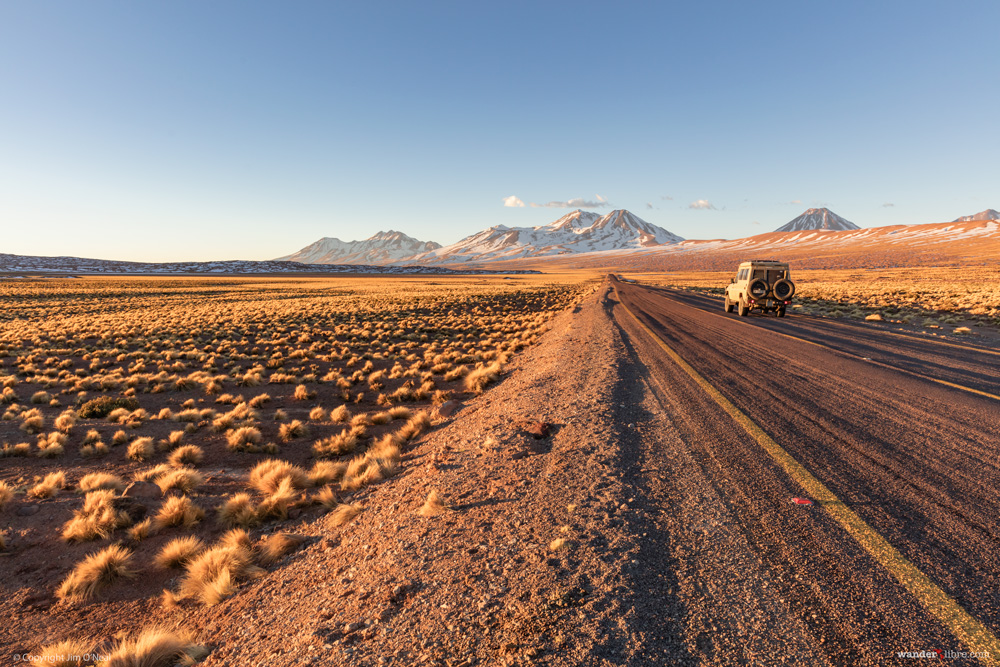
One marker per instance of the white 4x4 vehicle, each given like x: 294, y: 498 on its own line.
x: 760, y: 284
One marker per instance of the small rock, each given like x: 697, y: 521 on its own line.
x: 448, y: 408
x: 29, y: 510
x: 520, y: 454
x: 537, y: 429
x: 142, y: 490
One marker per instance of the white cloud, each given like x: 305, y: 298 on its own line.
x: 649, y: 204
x: 887, y: 205
x: 513, y: 201
x: 666, y: 198
x: 702, y: 204
x: 795, y: 201
x: 578, y: 202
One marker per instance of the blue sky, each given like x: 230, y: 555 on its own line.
x: 217, y: 130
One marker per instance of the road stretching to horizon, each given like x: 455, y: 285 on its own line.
x: 895, y: 439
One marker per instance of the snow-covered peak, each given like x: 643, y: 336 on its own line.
x: 382, y: 248
x: 576, y: 232
x: 817, y: 218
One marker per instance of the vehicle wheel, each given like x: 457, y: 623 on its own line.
x: 744, y: 308
x: 781, y: 312
x: 784, y: 289
x: 729, y: 305
x: 758, y: 288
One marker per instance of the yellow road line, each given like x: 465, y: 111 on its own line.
x: 967, y: 629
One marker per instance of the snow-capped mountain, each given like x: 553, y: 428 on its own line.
x: 817, y: 218
x: 383, y: 248
x: 576, y: 232
x: 988, y: 214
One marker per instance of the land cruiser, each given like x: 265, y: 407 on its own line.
x: 763, y: 284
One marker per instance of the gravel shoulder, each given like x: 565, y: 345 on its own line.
x: 486, y: 581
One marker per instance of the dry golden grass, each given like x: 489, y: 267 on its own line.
x: 173, y: 358
x: 97, y: 519
x: 155, y: 647
x: 141, y: 449
x: 344, y: 514
x: 211, y: 576
x: 6, y: 494
x: 67, y: 653
x: 186, y: 455
x: 178, y: 511
x: 178, y: 552
x: 268, y: 475
x: 50, y: 486
x: 184, y: 480
x: 433, y: 505
x: 238, y: 511
x: 101, y: 480
x: 274, y: 547
x: 95, y: 573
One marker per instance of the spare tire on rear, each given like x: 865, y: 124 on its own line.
x: 758, y: 288
x: 784, y: 289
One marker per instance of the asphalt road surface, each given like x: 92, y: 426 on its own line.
x: 868, y: 415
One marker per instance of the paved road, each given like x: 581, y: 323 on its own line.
x: 770, y: 582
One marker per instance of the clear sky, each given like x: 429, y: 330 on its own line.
x: 201, y: 130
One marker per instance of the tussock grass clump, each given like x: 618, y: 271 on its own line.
x: 141, y: 449
x: 327, y: 497
x: 178, y: 552
x: 238, y: 511
x: 433, y: 505
x: 95, y: 573
x: 6, y: 494
x: 41, y: 397
x: 317, y: 414
x: 186, y: 455
x: 97, y: 519
x: 141, y: 530
x: 156, y: 647
x: 344, y: 514
x: 52, y: 484
x: 274, y: 547
x: 184, y: 480
x: 340, y: 414
x: 67, y: 653
x: 325, y: 472
x: 65, y: 422
x: 267, y: 476
x: 101, y: 480
x: 477, y: 380
x: 51, y: 445
x: 303, y: 393
x: 119, y: 438
x: 276, y: 504
x: 211, y: 576
x: 344, y: 442
x: 293, y: 429
x: 172, y: 441
x: 178, y: 511
x: 243, y: 439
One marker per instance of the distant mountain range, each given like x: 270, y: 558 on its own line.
x: 988, y: 214
x: 621, y: 240
x: 18, y: 264
x: 817, y: 218
x: 579, y: 234
x: 383, y: 248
